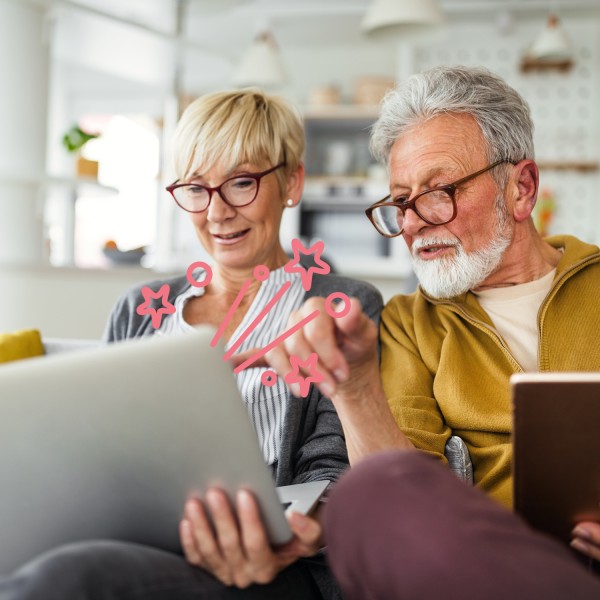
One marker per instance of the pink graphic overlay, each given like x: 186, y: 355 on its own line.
x: 189, y: 274
x: 230, y: 312
x: 294, y: 265
x: 294, y: 376
x: 276, y: 341
x: 145, y: 307
x: 331, y: 305
x: 261, y: 273
x: 263, y: 313
x: 268, y: 378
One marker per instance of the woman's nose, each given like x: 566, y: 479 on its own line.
x: 218, y: 210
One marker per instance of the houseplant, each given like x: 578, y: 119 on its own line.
x: 74, y: 140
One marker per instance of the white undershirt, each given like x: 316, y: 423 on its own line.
x: 514, y: 311
x: 266, y: 405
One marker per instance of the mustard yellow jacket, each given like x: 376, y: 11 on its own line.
x: 446, y: 369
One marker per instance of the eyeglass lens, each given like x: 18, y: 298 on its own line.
x: 237, y: 191
x: 434, y: 206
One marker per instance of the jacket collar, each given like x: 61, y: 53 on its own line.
x: 574, y: 253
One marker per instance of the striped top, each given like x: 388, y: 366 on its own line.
x: 266, y: 405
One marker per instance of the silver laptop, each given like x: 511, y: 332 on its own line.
x: 556, y: 459
x: 109, y: 442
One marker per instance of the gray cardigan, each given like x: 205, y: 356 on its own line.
x: 313, y: 445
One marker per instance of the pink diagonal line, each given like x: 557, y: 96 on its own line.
x: 284, y: 288
x: 277, y: 340
x: 230, y: 312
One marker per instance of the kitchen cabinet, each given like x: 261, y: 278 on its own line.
x: 342, y: 180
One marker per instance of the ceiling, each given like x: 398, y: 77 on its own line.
x: 225, y: 26
x: 127, y: 42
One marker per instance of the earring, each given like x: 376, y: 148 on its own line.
x: 289, y: 202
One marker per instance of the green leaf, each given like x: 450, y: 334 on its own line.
x: 75, y: 138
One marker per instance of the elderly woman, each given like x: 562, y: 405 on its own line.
x: 238, y: 161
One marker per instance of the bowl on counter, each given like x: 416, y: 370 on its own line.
x: 124, y: 257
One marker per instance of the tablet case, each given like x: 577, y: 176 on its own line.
x: 556, y: 458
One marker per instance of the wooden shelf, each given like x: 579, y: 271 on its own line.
x: 532, y: 64
x: 337, y: 180
x: 341, y: 111
x: 566, y: 165
x: 72, y: 183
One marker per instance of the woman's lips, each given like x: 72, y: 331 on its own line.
x: 230, y: 238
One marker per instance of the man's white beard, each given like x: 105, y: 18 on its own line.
x: 447, y: 277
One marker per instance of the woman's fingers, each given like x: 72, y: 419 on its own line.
x: 200, y: 544
x: 188, y: 543
x: 226, y: 530
x: 262, y: 562
x: 308, y: 532
x: 236, y: 549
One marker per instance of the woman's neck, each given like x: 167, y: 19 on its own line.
x: 229, y: 281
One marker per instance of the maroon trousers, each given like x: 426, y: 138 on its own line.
x: 401, y: 525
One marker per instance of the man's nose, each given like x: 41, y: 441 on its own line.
x: 412, y: 222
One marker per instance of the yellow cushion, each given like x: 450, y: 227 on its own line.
x: 20, y: 344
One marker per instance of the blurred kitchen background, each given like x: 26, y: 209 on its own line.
x: 84, y: 216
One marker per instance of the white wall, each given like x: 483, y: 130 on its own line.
x: 71, y: 302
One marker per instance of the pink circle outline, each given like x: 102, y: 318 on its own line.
x: 261, y: 272
x: 189, y: 274
x: 330, y: 307
x: 268, y: 378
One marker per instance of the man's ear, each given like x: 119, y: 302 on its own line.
x: 524, y: 182
x: 295, y: 186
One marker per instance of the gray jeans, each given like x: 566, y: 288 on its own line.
x: 106, y: 570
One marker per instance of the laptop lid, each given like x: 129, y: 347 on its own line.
x: 556, y: 458
x: 109, y: 443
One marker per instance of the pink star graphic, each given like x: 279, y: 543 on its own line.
x: 294, y: 265
x: 157, y: 313
x: 294, y: 375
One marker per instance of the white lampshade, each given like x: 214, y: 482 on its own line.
x: 392, y: 13
x: 552, y: 43
x: 261, y: 65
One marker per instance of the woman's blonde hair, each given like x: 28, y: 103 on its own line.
x: 236, y: 127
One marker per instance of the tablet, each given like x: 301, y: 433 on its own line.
x: 556, y: 458
x: 109, y: 442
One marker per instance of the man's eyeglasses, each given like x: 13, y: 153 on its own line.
x: 237, y: 191
x: 436, y: 206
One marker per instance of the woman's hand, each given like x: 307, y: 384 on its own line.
x: 586, y: 539
x: 236, y: 550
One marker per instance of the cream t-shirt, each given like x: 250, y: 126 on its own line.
x: 513, y: 311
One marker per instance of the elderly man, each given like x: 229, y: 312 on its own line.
x: 494, y: 299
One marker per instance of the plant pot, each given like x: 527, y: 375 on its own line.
x: 86, y: 168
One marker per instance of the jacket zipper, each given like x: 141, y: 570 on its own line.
x: 572, y: 270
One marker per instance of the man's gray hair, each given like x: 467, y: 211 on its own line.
x: 500, y: 111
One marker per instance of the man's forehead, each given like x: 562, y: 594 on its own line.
x: 444, y: 143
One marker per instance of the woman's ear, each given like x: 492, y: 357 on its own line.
x: 295, y: 187
x: 524, y: 184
